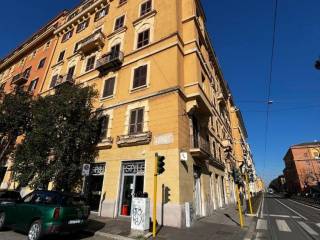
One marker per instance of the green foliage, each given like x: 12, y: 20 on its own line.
x: 15, y: 118
x: 62, y: 136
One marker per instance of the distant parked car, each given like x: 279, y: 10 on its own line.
x: 42, y: 213
x: 270, y: 190
x: 9, y: 196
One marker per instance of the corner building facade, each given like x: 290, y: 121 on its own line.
x: 161, y: 91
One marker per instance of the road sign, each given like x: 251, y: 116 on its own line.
x: 85, y: 170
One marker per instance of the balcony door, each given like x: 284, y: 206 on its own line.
x: 195, y: 132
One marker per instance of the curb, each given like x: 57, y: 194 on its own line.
x: 108, y: 235
x: 251, y: 230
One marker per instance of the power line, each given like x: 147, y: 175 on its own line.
x: 269, y: 82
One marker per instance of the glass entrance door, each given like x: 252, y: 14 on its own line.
x: 95, y: 186
x: 132, y: 185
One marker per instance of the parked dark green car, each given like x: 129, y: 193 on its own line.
x: 45, y: 212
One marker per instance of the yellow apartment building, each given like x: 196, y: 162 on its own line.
x: 161, y: 90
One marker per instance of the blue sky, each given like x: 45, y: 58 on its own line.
x: 242, y: 34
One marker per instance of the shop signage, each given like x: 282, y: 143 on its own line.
x: 97, y: 169
x: 133, y: 168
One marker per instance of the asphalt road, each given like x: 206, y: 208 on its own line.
x: 282, y: 219
x: 10, y: 235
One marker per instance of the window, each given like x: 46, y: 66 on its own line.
x: 27, y: 72
x: 61, y: 56
x: 83, y: 25
x: 145, y: 7
x: 140, y: 76
x: 136, y: 121
x: 54, y: 81
x: 101, y: 13
x: 103, y: 127
x: 115, y: 51
x: 122, y: 2
x: 48, y: 44
x: 33, y: 85
x: 33, y: 54
x: 76, y: 47
x: 90, y: 63
x: 41, y: 63
x: 71, y: 73
x: 28, y: 198
x: 119, y: 23
x: 108, y: 87
x: 2, y: 86
x: 143, y: 38
x: 67, y: 36
x: 72, y: 15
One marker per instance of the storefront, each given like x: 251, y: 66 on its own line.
x: 95, y: 182
x: 132, y: 184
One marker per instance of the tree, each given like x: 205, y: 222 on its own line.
x: 15, y: 115
x: 62, y: 137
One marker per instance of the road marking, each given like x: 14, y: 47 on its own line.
x: 283, y: 226
x: 261, y: 224
x: 262, y: 206
x: 308, y: 229
x: 282, y: 216
x: 306, y: 205
x: 291, y: 209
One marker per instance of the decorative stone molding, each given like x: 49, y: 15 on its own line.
x: 133, y: 140
x: 106, y: 143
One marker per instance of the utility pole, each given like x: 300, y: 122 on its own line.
x: 239, y: 206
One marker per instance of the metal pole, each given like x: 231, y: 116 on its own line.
x: 155, y: 184
x: 248, y: 192
x: 239, y: 207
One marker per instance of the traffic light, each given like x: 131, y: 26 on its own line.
x: 161, y: 164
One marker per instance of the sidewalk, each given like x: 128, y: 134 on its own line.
x: 222, y: 225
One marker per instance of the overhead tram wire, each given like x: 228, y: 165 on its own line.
x: 269, y: 83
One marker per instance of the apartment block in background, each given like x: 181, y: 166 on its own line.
x: 26, y: 67
x: 302, y: 166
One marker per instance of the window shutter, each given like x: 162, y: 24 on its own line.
x: 54, y: 81
x: 140, y: 120
x: 108, y: 87
x: 140, y: 76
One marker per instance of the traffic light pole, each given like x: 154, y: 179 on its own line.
x: 239, y: 206
x: 248, y: 192
x: 155, y: 186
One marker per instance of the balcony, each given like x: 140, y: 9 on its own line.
x: 134, y: 139
x: 92, y: 42
x: 200, y: 147
x: 66, y: 79
x: 20, y: 79
x: 110, y: 61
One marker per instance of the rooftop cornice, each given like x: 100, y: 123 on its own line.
x: 80, y: 14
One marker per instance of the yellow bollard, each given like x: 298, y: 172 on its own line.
x: 248, y: 192
x: 239, y: 207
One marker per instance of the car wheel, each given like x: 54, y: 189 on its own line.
x: 35, y: 230
x: 2, y: 220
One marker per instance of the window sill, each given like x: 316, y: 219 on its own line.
x: 58, y: 63
x: 134, y: 90
x: 105, y: 143
x: 121, y: 4
x: 106, y: 98
x: 134, y: 139
x: 118, y: 31
x: 147, y: 15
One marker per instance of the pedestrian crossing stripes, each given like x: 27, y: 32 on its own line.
x: 283, y: 226
x: 308, y: 229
